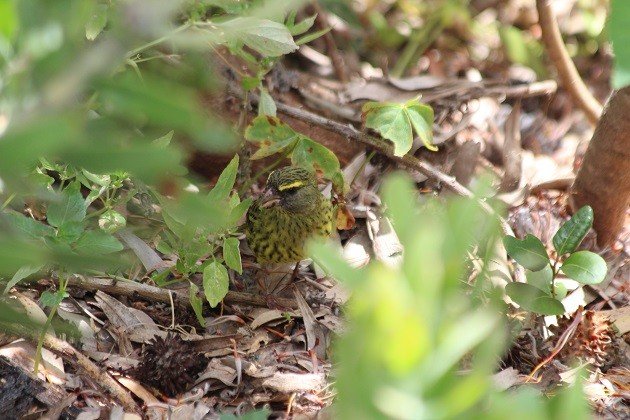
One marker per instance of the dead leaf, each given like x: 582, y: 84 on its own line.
x: 137, y: 325
x: 310, y: 323
x: 295, y: 382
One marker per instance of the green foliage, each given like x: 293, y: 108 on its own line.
x: 571, y: 233
x: 399, y: 122
x: 273, y: 136
x: 215, y: 282
x: 402, y: 351
x: 530, y: 252
x: 540, y: 294
x: 620, y: 37
x: 412, y: 326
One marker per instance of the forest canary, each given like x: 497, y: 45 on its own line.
x: 289, y: 212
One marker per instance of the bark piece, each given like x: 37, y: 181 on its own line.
x: 603, y: 181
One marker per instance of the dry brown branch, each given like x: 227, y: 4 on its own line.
x: 331, y: 47
x: 568, y: 74
x: 132, y: 288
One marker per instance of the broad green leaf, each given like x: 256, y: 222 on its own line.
x: 232, y: 254
x: 8, y: 18
x: 32, y: 228
x: 97, y: 21
x: 111, y: 221
x: 312, y: 155
x: 52, y: 300
x: 271, y: 134
x: 398, y: 122
x: 618, y: 19
x: 21, y: 274
x: 165, y: 140
x: 15, y: 253
x: 585, y: 267
x: 239, y: 211
x: 572, y: 232
x: 70, y: 208
x: 533, y: 299
x: 541, y: 278
x: 266, y: 105
x: 97, y: 242
x: 196, y: 303
x: 221, y: 190
x: 70, y: 231
x: 269, y: 38
x: 216, y: 282
x: 530, y: 252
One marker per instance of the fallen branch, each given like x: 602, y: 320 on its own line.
x: 131, y: 288
x: 568, y: 74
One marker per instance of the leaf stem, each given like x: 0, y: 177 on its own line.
x: 158, y: 41
x: 63, y: 282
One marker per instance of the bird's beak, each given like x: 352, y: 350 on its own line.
x: 269, y: 198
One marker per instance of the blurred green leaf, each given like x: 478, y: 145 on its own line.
x: 8, y: 19
x: 266, y: 105
x: 97, y: 242
x: 585, y: 267
x: 571, y: 233
x: 398, y: 122
x: 541, y: 278
x: 97, y: 21
x: 196, y: 303
x: 533, y: 299
x: 305, y: 39
x: 618, y: 19
x: 269, y: 38
x: 232, y: 254
x: 216, y: 282
x: 111, y: 221
x: 51, y: 300
x: 32, y: 228
x: 70, y: 208
x: 21, y: 274
x: 70, y: 231
x: 221, y: 190
x: 529, y: 252
x: 303, y: 26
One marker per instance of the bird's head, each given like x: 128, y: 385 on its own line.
x: 294, y: 189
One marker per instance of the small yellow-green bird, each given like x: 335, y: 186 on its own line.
x: 289, y: 212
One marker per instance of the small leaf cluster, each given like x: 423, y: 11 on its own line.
x: 398, y: 122
x: 200, y: 226
x: 541, y: 294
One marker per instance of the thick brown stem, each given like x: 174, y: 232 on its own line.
x: 603, y: 181
x: 568, y: 74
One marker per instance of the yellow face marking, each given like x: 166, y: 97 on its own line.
x: 291, y: 185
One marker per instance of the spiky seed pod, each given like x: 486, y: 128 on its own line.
x: 592, y: 341
x: 169, y: 364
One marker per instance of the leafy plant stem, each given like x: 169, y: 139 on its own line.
x: 158, y: 41
x: 418, y: 42
x: 554, y: 273
x: 63, y: 282
x: 7, y: 201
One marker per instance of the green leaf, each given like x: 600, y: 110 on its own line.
x: 266, y: 105
x: 312, y: 36
x: 272, y: 136
x: 97, y: 242
x: 571, y: 233
x: 111, y: 221
x: 165, y: 140
x: 398, y: 122
x: 71, y: 207
x: 303, y: 26
x: 541, y: 278
x: 70, y: 231
x: 196, y: 303
x: 618, y: 19
x: 21, y: 274
x: 585, y: 267
x: 225, y: 183
x: 8, y: 19
x: 269, y: 38
x: 52, y: 300
x: 530, y: 252
x: 216, y: 282
x: 97, y: 21
x: 533, y: 299
x: 312, y: 155
x: 27, y: 226
x: 232, y: 254
x: 239, y: 211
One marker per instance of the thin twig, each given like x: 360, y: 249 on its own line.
x: 331, y: 47
x: 559, y: 56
